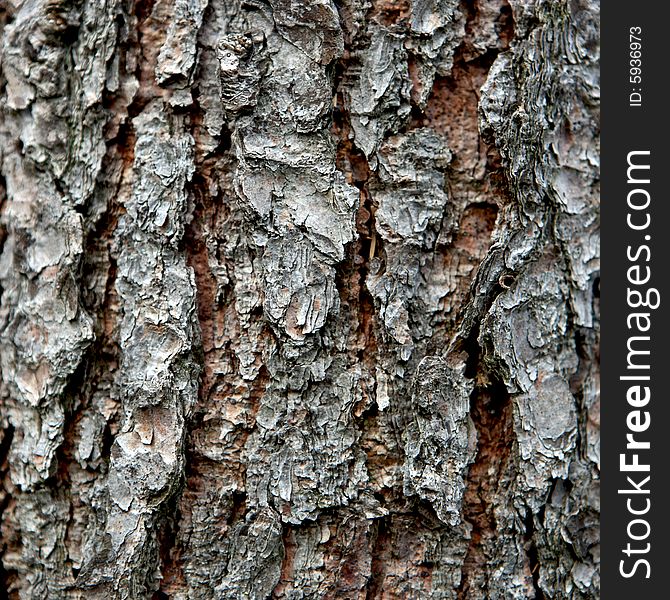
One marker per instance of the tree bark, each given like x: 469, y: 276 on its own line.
x: 299, y: 299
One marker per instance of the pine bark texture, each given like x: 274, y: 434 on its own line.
x: 299, y: 299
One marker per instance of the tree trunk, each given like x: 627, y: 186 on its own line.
x: 299, y: 299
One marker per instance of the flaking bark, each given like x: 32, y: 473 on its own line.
x: 299, y: 299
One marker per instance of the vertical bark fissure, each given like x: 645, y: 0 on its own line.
x: 490, y: 403
x: 533, y: 558
x: 365, y: 254
x: 7, y: 431
x: 491, y: 412
x: 379, y: 553
x: 7, y: 576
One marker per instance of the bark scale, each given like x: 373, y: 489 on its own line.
x: 299, y: 299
